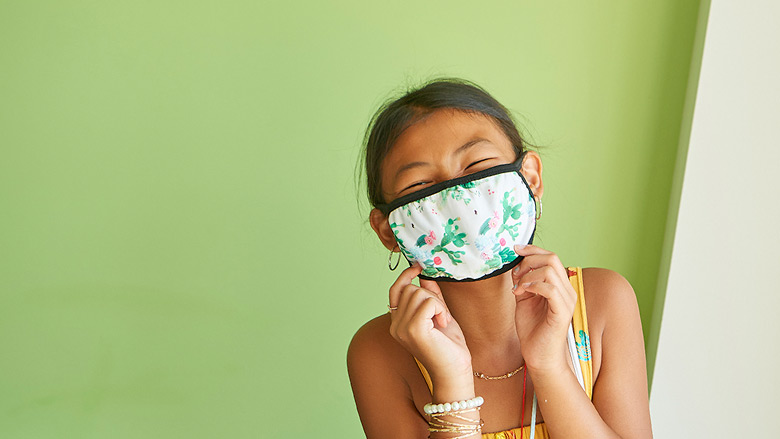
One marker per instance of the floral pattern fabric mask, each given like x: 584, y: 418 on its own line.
x: 465, y: 229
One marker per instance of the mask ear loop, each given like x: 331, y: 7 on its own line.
x: 390, y: 259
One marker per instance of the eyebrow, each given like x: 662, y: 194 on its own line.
x: 460, y: 150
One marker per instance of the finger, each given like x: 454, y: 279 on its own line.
x: 404, y: 279
x: 529, y: 249
x: 400, y: 315
x: 555, y: 300
x: 433, y: 287
x: 522, y: 294
x: 413, y: 297
x: 546, y: 257
x: 529, y: 264
x: 534, y: 261
x: 407, y: 295
x: 551, y: 276
x: 422, y: 319
x: 518, y: 272
x: 545, y: 273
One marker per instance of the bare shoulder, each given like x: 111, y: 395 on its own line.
x: 372, y: 343
x: 611, y: 305
x: 608, y: 296
x: 605, y: 285
x: 375, y: 359
x: 606, y: 292
x: 380, y: 371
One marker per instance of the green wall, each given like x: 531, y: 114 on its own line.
x: 181, y: 249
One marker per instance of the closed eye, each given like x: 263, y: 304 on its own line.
x: 479, y: 161
x: 413, y: 185
x: 420, y: 183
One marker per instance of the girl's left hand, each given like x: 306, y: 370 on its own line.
x: 544, y: 309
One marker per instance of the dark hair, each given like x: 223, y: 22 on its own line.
x: 395, y: 116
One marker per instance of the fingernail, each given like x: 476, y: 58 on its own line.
x: 514, y: 288
x: 516, y: 270
x: 525, y: 285
x: 519, y: 247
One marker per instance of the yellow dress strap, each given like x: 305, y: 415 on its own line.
x: 580, y: 326
x: 425, y: 375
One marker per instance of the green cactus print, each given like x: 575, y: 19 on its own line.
x: 500, y: 257
x: 458, y: 193
x: 408, y: 210
x: 493, y: 251
x: 451, y: 235
x: 429, y: 259
x: 511, y: 210
x: 435, y: 271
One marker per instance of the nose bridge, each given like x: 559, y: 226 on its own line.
x: 448, y: 168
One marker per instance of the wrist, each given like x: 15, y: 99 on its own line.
x: 453, y: 386
x: 550, y: 371
x: 550, y: 365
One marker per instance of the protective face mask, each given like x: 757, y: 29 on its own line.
x: 465, y: 229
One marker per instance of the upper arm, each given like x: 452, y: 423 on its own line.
x: 620, y: 390
x: 383, y: 398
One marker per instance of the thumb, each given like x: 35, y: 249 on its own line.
x: 516, y: 275
x: 432, y: 286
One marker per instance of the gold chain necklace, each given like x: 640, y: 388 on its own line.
x: 499, y: 377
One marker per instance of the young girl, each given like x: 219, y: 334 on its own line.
x: 500, y: 339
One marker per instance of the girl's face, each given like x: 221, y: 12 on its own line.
x: 447, y: 144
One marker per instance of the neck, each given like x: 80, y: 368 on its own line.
x: 485, y: 312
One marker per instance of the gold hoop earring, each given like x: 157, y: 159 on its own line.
x: 540, y: 209
x: 390, y: 259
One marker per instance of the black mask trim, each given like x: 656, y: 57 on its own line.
x: 386, y: 208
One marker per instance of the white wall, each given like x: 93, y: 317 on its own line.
x: 717, y: 371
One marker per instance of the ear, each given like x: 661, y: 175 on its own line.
x: 532, y: 171
x: 381, y: 226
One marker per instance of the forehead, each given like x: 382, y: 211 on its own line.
x: 443, y: 131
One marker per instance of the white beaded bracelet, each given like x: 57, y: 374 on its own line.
x: 432, y: 408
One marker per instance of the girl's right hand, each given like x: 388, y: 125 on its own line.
x: 423, y: 325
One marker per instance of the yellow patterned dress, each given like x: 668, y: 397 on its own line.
x: 580, y: 325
